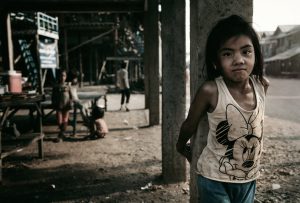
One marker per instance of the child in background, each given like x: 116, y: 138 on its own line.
x: 123, y: 84
x: 62, y: 103
x: 99, y: 127
x: 233, y: 98
x: 83, y: 106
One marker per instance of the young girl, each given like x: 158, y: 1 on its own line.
x: 233, y: 98
x: 62, y: 103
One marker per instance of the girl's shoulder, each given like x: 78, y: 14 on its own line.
x: 67, y: 86
x: 264, y: 82
x: 209, y: 87
x: 207, y: 95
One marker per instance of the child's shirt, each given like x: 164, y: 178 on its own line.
x: 122, y: 79
x: 62, y: 97
x: 101, y: 126
x: 234, y: 142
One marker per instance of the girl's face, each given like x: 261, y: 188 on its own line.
x: 63, y: 77
x: 236, y: 57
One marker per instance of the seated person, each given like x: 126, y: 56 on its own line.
x: 93, y: 120
x: 99, y: 127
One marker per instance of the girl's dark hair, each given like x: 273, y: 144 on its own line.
x: 226, y: 28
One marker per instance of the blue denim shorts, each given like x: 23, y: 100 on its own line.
x: 211, y: 191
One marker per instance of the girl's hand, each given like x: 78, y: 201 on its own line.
x: 185, y: 150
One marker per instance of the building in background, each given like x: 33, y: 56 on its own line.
x: 281, y: 51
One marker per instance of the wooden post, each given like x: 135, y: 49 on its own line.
x: 90, y: 62
x: 80, y: 69
x: 203, y: 16
x: 5, y: 63
x: 151, y: 59
x: 96, y: 72
x: 10, y: 44
x: 173, y: 88
x: 38, y: 66
x: 4, y: 41
x: 66, y: 49
x: 40, y: 130
x: 146, y: 66
x: 116, y: 34
x: 2, y: 119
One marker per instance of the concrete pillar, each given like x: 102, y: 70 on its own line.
x: 203, y: 15
x: 151, y: 59
x: 173, y: 88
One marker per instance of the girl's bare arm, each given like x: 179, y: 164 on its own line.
x: 204, y: 101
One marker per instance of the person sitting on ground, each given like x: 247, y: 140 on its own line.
x: 83, y: 106
x: 99, y: 127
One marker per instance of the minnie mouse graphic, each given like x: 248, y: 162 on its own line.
x: 242, y: 134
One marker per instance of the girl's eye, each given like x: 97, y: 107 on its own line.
x: 226, y: 54
x: 247, y: 52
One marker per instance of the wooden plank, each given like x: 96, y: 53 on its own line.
x: 21, y: 102
x: 91, y: 40
x: 22, y: 137
x: 19, y: 144
x: 123, y: 58
x: 73, y: 5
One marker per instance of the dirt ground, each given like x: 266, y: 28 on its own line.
x: 125, y: 166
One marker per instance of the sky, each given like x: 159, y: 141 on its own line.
x: 268, y: 14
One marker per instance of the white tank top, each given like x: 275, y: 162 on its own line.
x: 234, y: 142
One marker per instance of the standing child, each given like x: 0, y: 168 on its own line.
x: 233, y: 98
x: 123, y: 84
x: 62, y: 103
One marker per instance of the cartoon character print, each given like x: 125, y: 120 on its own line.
x: 242, y: 135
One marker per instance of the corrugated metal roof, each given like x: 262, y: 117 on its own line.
x: 285, y: 55
x: 264, y: 34
x: 286, y: 28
